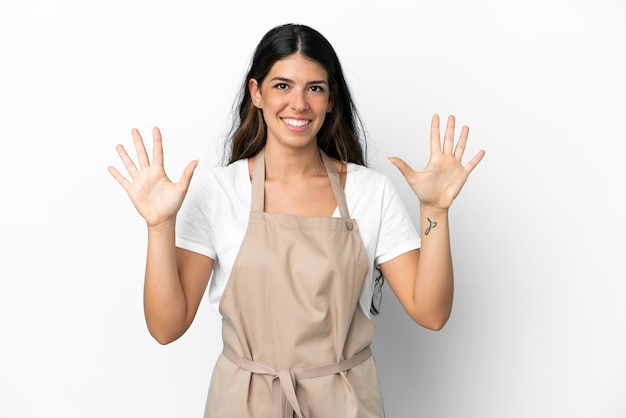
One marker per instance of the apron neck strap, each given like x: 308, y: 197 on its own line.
x: 258, y: 184
x: 335, y: 183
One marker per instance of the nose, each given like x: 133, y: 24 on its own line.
x: 299, y: 102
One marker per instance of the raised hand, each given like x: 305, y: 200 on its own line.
x: 444, y: 175
x: 155, y: 197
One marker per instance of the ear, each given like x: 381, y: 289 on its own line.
x: 255, y: 92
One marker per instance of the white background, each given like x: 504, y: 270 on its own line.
x: 538, y: 232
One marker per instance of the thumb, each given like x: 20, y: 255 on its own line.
x: 404, y: 168
x: 185, y: 178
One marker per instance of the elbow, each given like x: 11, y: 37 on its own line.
x: 162, y: 336
x: 166, y: 331
x: 163, y: 340
x: 432, y: 322
x: 435, y: 325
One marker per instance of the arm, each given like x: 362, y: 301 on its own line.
x: 423, y: 279
x: 175, y: 279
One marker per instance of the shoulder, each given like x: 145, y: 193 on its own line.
x: 215, y: 188
x: 366, y: 190
x: 372, y: 193
x: 361, y: 177
x: 210, y: 176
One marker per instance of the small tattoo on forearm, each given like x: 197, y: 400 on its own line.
x: 431, y: 225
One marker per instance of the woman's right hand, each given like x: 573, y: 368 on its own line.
x: 155, y: 197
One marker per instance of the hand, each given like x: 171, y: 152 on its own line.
x: 155, y: 197
x: 444, y: 175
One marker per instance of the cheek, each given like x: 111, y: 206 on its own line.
x: 320, y: 103
x: 274, y: 101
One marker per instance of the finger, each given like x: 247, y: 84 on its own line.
x: 404, y: 168
x: 119, y: 177
x: 469, y: 167
x: 157, y: 147
x: 448, y: 138
x: 128, y: 163
x: 185, y: 178
x: 460, y: 145
x: 435, y: 138
x: 142, y: 155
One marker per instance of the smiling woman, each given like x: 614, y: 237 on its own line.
x: 291, y: 234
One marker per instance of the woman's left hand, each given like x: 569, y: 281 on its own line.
x: 444, y: 175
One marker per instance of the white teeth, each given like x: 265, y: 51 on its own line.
x: 296, y: 122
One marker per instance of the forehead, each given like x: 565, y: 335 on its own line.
x: 296, y: 67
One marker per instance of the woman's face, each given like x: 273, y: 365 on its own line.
x: 294, y: 97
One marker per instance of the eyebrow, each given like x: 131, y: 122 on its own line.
x: 286, y: 80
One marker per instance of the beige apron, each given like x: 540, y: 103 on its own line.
x: 296, y: 342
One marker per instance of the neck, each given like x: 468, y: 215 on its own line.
x: 293, y: 164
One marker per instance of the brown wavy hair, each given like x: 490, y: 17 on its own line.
x: 341, y: 136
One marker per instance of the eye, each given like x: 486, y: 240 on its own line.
x: 317, y: 89
x: 281, y: 86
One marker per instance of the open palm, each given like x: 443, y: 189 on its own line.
x: 444, y: 175
x: 155, y: 196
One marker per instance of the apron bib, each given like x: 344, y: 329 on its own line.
x: 296, y: 342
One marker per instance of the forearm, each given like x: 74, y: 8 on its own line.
x: 164, y: 300
x: 434, y: 284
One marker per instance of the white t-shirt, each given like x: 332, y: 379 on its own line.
x: 214, y: 217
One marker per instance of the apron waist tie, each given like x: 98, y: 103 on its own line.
x: 284, y: 399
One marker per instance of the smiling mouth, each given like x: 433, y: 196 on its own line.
x: 296, y: 122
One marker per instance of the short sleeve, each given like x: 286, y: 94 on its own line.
x: 397, y: 232
x: 193, y: 223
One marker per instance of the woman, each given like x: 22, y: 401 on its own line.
x: 291, y: 233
